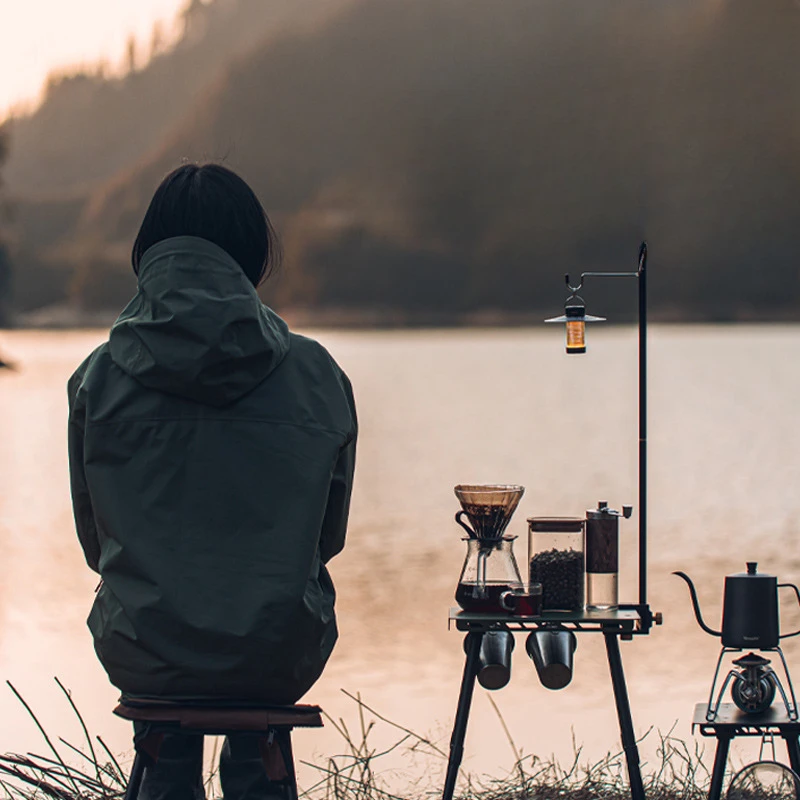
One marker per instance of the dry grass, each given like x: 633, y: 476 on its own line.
x: 52, y: 777
x: 91, y: 772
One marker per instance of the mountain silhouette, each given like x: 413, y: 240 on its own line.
x: 433, y: 158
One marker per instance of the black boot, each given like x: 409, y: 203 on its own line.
x: 243, y: 775
x: 178, y: 773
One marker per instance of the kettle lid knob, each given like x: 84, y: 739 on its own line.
x: 751, y: 567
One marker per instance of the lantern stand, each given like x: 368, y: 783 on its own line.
x: 575, y: 316
x: 623, y: 622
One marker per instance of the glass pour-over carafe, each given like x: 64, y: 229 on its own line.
x: 490, y: 568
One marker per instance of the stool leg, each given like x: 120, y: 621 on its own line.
x: 624, y: 715
x: 285, y: 743
x: 793, y: 748
x: 135, y: 778
x: 473, y: 647
x: 720, y: 761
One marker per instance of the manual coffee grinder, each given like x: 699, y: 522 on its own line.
x: 602, y: 556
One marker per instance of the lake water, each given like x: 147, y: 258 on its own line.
x: 438, y: 408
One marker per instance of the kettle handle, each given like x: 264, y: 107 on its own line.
x: 797, y: 592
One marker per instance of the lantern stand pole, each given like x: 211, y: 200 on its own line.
x: 641, y: 274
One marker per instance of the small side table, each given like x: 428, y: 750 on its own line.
x: 622, y: 623
x: 731, y: 722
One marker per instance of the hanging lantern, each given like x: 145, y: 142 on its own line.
x: 576, y: 318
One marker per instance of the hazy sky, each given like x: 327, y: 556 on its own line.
x: 37, y: 36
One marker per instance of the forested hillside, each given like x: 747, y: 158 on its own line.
x: 5, y: 264
x: 89, y: 126
x: 430, y: 159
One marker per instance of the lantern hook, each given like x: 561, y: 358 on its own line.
x: 575, y: 296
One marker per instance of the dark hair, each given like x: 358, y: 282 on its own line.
x: 214, y: 203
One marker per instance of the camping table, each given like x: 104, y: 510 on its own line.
x: 730, y: 722
x: 621, y: 623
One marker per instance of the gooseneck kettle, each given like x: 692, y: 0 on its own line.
x: 750, y: 610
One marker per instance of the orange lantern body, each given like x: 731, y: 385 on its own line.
x: 576, y: 318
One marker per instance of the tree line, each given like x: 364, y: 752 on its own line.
x: 5, y: 259
x: 450, y: 160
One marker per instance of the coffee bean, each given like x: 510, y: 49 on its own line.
x: 561, y: 573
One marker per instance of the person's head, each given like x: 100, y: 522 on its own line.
x: 214, y: 203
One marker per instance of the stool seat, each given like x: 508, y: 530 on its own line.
x: 271, y: 725
x: 217, y: 716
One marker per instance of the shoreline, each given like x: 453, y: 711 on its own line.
x: 67, y: 317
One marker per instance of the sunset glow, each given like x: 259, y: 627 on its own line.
x: 40, y: 36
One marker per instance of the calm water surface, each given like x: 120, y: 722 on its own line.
x: 437, y: 409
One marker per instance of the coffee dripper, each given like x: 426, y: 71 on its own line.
x: 490, y: 572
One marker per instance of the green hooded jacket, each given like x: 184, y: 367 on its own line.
x: 211, y: 460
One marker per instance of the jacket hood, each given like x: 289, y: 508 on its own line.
x: 196, y: 327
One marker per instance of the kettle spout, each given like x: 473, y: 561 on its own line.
x: 696, y: 605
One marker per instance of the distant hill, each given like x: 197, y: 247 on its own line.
x: 89, y: 127
x: 435, y: 158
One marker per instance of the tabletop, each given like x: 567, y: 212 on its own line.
x: 733, y: 721
x: 619, y: 620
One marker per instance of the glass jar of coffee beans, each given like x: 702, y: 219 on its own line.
x: 556, y: 559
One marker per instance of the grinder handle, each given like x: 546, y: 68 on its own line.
x: 797, y: 592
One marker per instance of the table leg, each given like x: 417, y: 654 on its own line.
x: 472, y: 646
x: 624, y: 715
x: 720, y: 762
x: 793, y: 749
